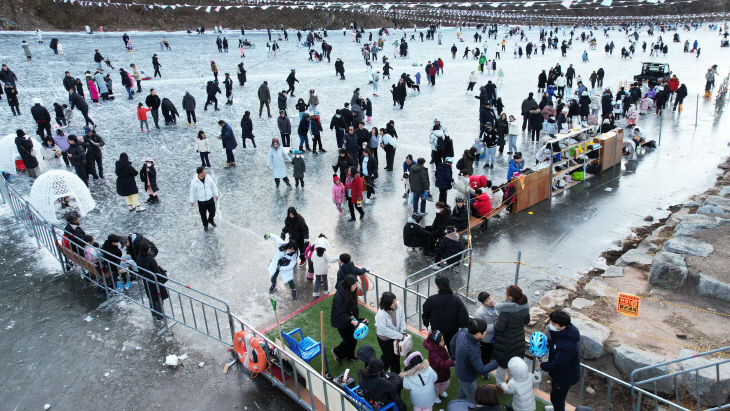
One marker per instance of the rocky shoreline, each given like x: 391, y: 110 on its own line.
x: 679, y: 267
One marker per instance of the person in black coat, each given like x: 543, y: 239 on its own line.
x: 247, y: 129
x: 156, y: 65
x: 290, y: 80
x: 169, y: 112
x: 74, y: 233
x: 25, y: 149
x: 12, y: 96
x: 148, y: 175
x: 211, y: 89
x: 77, y: 100
x: 372, y: 170
x: 153, y: 101
x: 459, y: 215
x: 93, y: 144
x: 188, y: 104
x: 449, y: 246
x: 7, y: 75
x: 42, y: 118
x: 337, y: 123
x: 228, y: 84
x: 68, y: 82
x: 509, y: 329
x: 133, y: 244
x: 679, y: 99
x: 563, y: 362
x: 298, y: 231
x: 241, y: 72
x: 606, y: 104
x: 154, y: 277
x: 126, y: 183
x: 77, y: 156
x: 345, y: 316
x: 445, y: 311
x: 381, y: 386
x: 344, y: 162
x: 113, y: 253
x: 416, y: 236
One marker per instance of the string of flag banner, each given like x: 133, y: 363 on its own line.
x: 410, y: 10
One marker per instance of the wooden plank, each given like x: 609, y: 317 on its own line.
x: 477, y: 221
x: 611, y: 146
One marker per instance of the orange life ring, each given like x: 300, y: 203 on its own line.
x: 255, y: 359
x: 239, y: 345
x: 365, y: 282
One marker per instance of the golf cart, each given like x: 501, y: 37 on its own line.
x: 655, y: 73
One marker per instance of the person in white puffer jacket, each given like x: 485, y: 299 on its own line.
x: 519, y: 385
x: 321, y: 264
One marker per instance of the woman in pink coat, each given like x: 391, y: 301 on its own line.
x: 338, y: 193
x: 93, y: 91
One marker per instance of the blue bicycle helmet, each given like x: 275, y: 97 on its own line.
x: 361, y: 331
x: 539, y: 344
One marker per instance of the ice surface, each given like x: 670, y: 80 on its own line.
x: 230, y: 260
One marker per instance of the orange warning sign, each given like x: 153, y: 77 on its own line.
x: 628, y: 305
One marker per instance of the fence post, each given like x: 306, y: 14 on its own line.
x: 34, y: 232
x: 661, y: 122
x: 697, y: 108
x: 517, y: 266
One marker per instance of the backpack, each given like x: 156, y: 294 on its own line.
x: 440, y: 144
x: 460, y: 164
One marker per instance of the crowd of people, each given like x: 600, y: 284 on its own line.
x: 494, y: 339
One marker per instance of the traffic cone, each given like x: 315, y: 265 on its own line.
x: 680, y: 108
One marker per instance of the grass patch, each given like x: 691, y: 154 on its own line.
x: 308, y: 321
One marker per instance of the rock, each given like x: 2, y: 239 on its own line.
x: 692, y: 223
x: 721, y: 202
x: 659, y: 230
x: 724, y: 192
x: 668, y: 270
x: 627, y: 359
x: 47, y: 406
x: 582, y: 303
x: 590, y: 390
x: 554, y: 298
x: 691, y: 203
x: 613, y: 271
x: 596, y: 289
x: 688, y: 245
x: 711, y: 287
x: 706, y: 380
x: 677, y: 217
x: 201, y: 364
x: 648, y: 218
x: 592, y: 335
x: 648, y: 245
x: 711, y: 209
x: 633, y: 256
x: 535, y: 314
x: 569, y: 285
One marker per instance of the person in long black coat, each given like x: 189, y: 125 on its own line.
x: 154, y: 278
x: 344, y: 316
x: 344, y: 162
x: 445, y: 311
x: 298, y: 231
x: 241, y: 72
x: 25, y: 149
x: 148, y: 175
x: 509, y: 329
x: 247, y: 129
x: 126, y: 183
x: 169, y: 112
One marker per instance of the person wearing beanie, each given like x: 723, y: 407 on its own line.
x: 380, y: 386
x: 77, y: 156
x: 338, y: 193
x: 25, y: 149
x: 419, y: 379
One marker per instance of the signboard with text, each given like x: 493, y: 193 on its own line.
x: 628, y: 304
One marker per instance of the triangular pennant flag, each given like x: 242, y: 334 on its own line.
x: 207, y: 9
x: 566, y: 3
x: 217, y: 9
x: 607, y: 3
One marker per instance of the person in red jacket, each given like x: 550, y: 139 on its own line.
x: 353, y: 186
x: 673, y: 86
x: 477, y: 181
x: 432, y: 73
x: 481, y: 205
x: 142, y: 117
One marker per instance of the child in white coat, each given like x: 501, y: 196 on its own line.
x: 519, y: 385
x: 321, y: 261
x: 283, y: 263
x: 419, y: 379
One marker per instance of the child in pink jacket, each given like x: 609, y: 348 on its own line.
x: 338, y: 193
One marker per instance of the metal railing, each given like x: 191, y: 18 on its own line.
x: 612, y: 381
x: 412, y: 300
x: 318, y: 390
x: 636, y: 393
x: 184, y: 305
x: 425, y: 276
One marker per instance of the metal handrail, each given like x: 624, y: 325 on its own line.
x: 405, y: 293
x: 314, y: 379
x: 675, y: 376
x: 185, y: 306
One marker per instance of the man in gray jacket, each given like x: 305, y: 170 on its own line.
x: 284, y: 128
x: 419, y: 185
